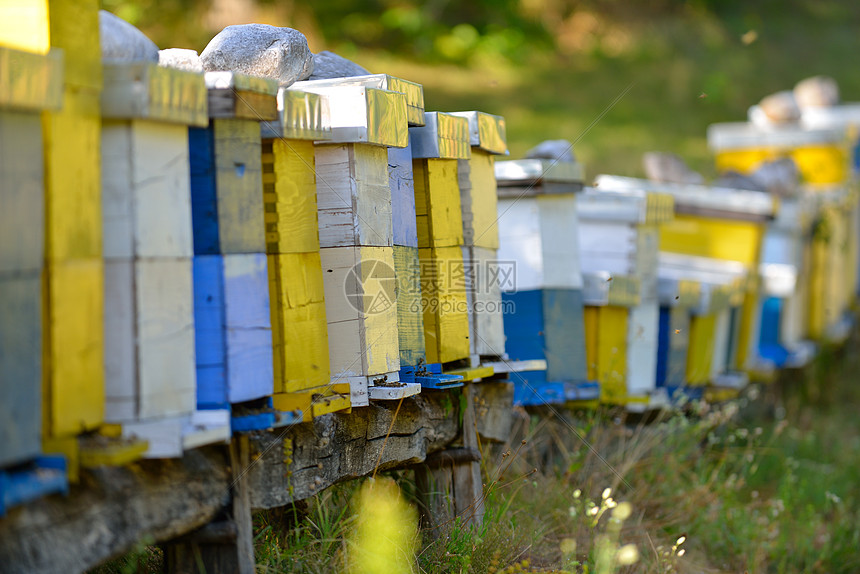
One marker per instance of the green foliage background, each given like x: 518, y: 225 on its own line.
x: 553, y: 67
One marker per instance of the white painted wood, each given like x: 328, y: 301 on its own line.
x: 164, y: 436
x: 146, y: 195
x: 485, y: 302
x: 520, y: 240
x: 721, y: 343
x: 149, y: 350
x: 560, y: 238
x: 642, y: 328
x: 206, y: 427
x: 381, y: 393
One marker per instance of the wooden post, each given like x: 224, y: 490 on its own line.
x: 223, y: 546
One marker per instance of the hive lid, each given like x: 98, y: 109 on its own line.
x: 831, y: 117
x: 601, y: 288
x: 634, y: 206
x: 722, y: 282
x: 709, y: 201
x: 443, y: 136
x: 740, y: 135
x: 531, y: 177
x: 363, y: 115
x: 144, y: 90
x: 236, y: 95
x: 413, y: 92
x: 677, y: 292
x: 486, y: 131
x: 302, y: 116
x: 31, y: 81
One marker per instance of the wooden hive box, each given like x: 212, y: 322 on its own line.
x: 822, y: 155
x: 73, y: 291
x: 436, y: 147
x: 714, y: 336
x: 150, y: 374
x: 231, y: 280
x: 677, y: 297
x: 298, y: 314
x: 356, y: 237
x: 543, y: 319
x: 785, y: 285
x: 723, y: 224
x: 478, y: 202
x: 31, y: 84
x: 619, y: 236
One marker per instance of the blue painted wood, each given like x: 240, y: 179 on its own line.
x: 582, y: 391
x: 287, y: 418
x: 769, y: 345
x: 254, y: 422
x: 564, y: 335
x: 20, y: 367
x: 524, y: 329
x: 22, y: 193
x: 683, y: 394
x: 432, y: 377
x: 663, y: 345
x: 204, y: 193
x: 402, y: 185
x: 44, y: 475
x: 531, y: 388
x: 209, y: 326
x: 249, y: 328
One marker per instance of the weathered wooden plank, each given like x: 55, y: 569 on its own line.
x: 73, y: 347
x: 437, y: 203
x: 146, y: 197
x: 484, y: 275
x: 642, y: 340
x: 335, y: 447
x: 74, y: 27
x: 446, y: 316
x: 20, y: 367
x: 410, y: 318
x: 22, y: 224
x: 564, y: 334
x: 289, y: 196
x: 149, y: 353
x: 353, y: 195
x: 606, y: 329
x: 494, y: 410
x: 479, y: 203
x: 468, y: 486
x: 402, y: 183
x: 116, y: 509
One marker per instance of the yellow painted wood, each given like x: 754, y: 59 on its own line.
x: 437, y: 203
x: 718, y: 395
x: 381, y: 350
x: 700, y: 353
x: 484, y: 199
x: 817, y: 321
x: 712, y: 237
x: 590, y: 318
x: 289, y: 196
x: 113, y: 452
x: 25, y: 26
x: 612, y: 353
x: 72, y: 140
x: 446, y: 317
x: 73, y: 347
x: 299, y: 329
x: 74, y: 27
x: 821, y: 164
x: 473, y: 373
x: 750, y: 327
x: 69, y: 448
x: 314, y: 402
x: 410, y: 319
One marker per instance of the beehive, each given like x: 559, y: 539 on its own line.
x: 356, y: 237
x: 299, y: 327
x: 478, y: 204
x: 677, y: 297
x: 231, y: 281
x: 619, y: 237
x: 543, y: 319
x: 822, y: 156
x: 32, y: 84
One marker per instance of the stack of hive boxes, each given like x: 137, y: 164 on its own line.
x: 619, y: 241
x: 299, y: 327
x: 478, y: 203
x: 32, y: 84
x: 149, y: 298
x: 356, y: 238
x: 231, y: 284
x: 538, y: 232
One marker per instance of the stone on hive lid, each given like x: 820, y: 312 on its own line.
x: 667, y: 167
x: 180, y: 59
x: 779, y: 177
x: 122, y: 42
x: 281, y: 54
x: 780, y: 108
x: 329, y: 65
x: 560, y: 150
x: 817, y: 92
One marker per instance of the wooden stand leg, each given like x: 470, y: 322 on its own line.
x: 224, y: 546
x: 468, y: 487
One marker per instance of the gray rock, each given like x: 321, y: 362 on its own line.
x: 817, y: 91
x: 737, y: 180
x: 779, y: 177
x: 560, y: 150
x: 329, y: 65
x: 122, y: 42
x: 780, y: 107
x: 187, y: 60
x: 281, y: 54
x: 669, y: 168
